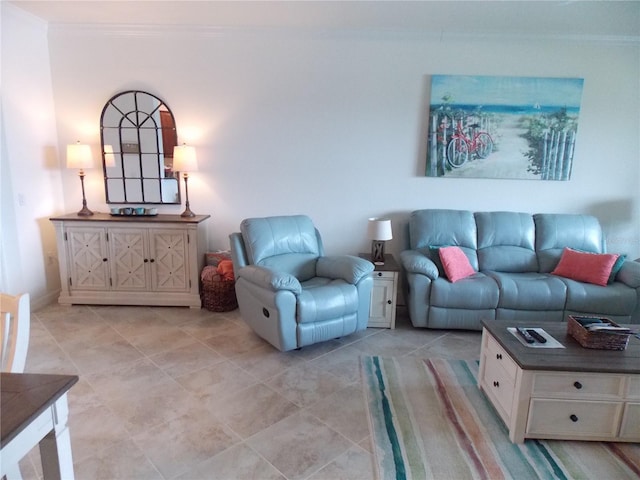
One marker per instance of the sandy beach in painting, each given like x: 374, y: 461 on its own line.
x: 508, y: 158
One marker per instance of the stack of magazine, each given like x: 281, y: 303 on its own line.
x: 603, y: 325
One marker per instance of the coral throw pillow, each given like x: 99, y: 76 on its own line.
x: 585, y: 267
x: 455, y: 263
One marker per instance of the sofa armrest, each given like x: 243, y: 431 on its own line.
x: 270, y: 279
x: 629, y: 274
x: 416, y: 262
x: 349, y: 268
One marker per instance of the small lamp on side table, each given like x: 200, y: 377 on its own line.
x: 379, y: 231
x: 79, y: 156
x: 185, y: 161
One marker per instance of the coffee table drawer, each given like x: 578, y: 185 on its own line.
x: 579, y: 385
x: 572, y: 419
x: 634, y: 387
x: 496, y: 355
x: 498, y: 385
x: 630, y: 429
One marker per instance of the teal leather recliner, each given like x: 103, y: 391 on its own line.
x: 289, y: 292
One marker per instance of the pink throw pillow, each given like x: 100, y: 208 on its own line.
x: 585, y: 267
x: 455, y: 263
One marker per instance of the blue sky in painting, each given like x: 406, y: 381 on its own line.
x: 483, y: 90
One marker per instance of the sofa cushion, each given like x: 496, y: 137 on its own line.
x: 284, y: 235
x: 614, y: 299
x: 530, y: 291
x: 300, y: 265
x: 440, y: 227
x: 324, y: 299
x: 585, y: 267
x: 477, y: 292
x: 506, y: 242
x: 555, y: 231
x: 455, y: 263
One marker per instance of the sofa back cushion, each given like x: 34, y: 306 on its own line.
x: 555, y: 231
x: 506, y: 242
x: 288, y: 244
x: 443, y: 228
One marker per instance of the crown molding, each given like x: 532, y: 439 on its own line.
x: 153, y: 31
x: 12, y: 10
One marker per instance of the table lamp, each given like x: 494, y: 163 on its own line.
x: 184, y: 160
x: 79, y: 156
x: 379, y: 231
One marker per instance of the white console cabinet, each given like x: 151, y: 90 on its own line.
x: 118, y: 260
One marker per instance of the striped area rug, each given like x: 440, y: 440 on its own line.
x: 429, y: 420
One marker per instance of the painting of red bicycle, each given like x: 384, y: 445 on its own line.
x: 502, y: 127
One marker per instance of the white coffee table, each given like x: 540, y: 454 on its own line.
x: 571, y: 393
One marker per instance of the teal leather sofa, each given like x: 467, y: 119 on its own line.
x: 513, y: 254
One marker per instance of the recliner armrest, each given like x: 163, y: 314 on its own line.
x: 629, y: 274
x: 265, y: 278
x: 349, y: 268
x: 416, y: 262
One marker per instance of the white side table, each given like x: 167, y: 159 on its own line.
x: 385, y: 290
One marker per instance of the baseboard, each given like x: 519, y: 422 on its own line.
x: 45, y: 300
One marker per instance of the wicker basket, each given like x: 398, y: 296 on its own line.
x: 219, y: 295
x: 596, y: 340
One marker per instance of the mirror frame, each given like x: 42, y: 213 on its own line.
x: 144, y: 130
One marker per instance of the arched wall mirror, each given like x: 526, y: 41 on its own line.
x: 138, y: 133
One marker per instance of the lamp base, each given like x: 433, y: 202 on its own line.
x: 187, y: 213
x: 377, y: 252
x: 85, y: 212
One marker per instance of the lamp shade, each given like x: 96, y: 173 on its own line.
x: 79, y: 156
x: 184, y: 159
x: 379, y: 229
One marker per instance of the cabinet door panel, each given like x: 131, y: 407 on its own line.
x: 169, y: 268
x: 381, y: 300
x: 128, y: 259
x: 88, y: 267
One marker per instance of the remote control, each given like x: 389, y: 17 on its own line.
x: 524, y: 334
x: 536, y: 335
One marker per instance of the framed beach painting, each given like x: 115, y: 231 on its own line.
x: 502, y: 127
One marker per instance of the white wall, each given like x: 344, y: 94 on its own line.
x: 31, y: 184
x: 332, y: 124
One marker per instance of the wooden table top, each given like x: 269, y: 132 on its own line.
x: 24, y: 396
x: 389, y: 265
x: 573, y: 357
x: 107, y: 217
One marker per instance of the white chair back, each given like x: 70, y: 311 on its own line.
x: 14, y: 334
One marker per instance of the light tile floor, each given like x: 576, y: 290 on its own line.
x: 178, y: 393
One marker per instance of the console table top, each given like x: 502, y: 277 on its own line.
x: 573, y: 357
x: 107, y: 217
